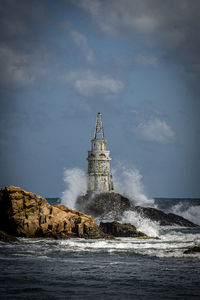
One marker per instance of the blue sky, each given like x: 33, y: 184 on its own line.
x: 137, y: 62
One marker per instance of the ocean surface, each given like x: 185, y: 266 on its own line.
x: 126, y: 268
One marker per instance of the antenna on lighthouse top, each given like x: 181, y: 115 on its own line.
x: 98, y: 133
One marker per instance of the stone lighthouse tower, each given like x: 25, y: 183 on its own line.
x: 99, y: 175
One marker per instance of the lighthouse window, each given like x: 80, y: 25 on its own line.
x: 102, y: 154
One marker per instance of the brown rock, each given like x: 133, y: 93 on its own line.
x: 29, y: 215
x: 121, y: 230
x: 84, y: 225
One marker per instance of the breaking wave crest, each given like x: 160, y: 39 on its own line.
x: 145, y: 225
x: 191, y: 213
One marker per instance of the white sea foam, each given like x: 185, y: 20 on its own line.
x: 171, y: 243
x: 176, y: 236
x: 191, y: 213
x: 76, y: 182
x: 166, y: 246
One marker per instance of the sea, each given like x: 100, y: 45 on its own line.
x: 125, y: 268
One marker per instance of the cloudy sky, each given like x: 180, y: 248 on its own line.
x: 135, y: 61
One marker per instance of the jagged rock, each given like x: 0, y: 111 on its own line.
x: 114, y: 205
x: 191, y: 250
x: 85, y: 226
x: 29, y: 215
x: 4, y: 237
x: 120, y: 230
x: 103, y: 204
x: 163, y: 218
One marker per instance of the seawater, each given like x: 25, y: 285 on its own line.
x: 125, y: 268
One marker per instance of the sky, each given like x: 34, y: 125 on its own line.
x: 135, y: 61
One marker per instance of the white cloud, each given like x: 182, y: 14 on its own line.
x: 170, y: 27
x: 146, y: 61
x: 155, y: 130
x: 81, y: 41
x: 88, y: 83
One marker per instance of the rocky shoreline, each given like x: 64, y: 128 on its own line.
x: 25, y: 214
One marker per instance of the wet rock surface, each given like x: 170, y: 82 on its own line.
x: 26, y: 214
x: 114, y: 205
x: 120, y: 230
x: 103, y: 204
x: 163, y: 218
x: 194, y: 249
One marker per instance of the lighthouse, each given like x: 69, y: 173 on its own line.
x: 99, y: 175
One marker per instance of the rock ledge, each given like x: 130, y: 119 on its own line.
x: 25, y: 214
x: 121, y: 230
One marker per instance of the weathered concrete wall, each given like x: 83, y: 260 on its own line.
x: 100, y: 183
x: 99, y: 175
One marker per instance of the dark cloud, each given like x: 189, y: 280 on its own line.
x: 22, y: 53
x: 170, y: 26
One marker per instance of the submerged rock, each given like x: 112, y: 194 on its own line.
x: 28, y: 215
x: 194, y: 249
x: 120, y: 230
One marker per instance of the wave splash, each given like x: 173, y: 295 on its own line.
x: 150, y: 228
x: 128, y: 182
x: 76, y: 181
x: 191, y: 213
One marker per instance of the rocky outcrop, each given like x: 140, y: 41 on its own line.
x: 103, y: 204
x: 163, y: 218
x: 120, y: 230
x: 24, y: 214
x: 191, y: 250
x: 28, y: 215
x: 114, y: 205
x: 4, y: 237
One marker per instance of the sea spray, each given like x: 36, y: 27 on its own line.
x: 128, y: 182
x: 76, y: 181
x: 151, y: 228
x: 191, y: 213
